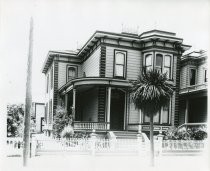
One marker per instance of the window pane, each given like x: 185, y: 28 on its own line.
x: 148, y: 60
x: 192, y: 76
x: 156, y: 118
x: 119, y: 59
x: 165, y: 115
x: 146, y: 118
x: 148, y: 68
x: 159, y: 60
x: 168, y: 61
x: 167, y: 70
x: 71, y: 73
x: 119, y: 70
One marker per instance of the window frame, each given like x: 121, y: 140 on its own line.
x: 170, y: 68
x: 192, y: 68
x: 163, y: 59
x: 152, y: 60
x: 67, y: 72
x: 124, y: 65
x: 160, y: 119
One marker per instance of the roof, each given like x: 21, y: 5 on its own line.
x: 144, y: 37
x: 195, y: 55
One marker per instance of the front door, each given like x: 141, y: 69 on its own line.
x: 117, y: 110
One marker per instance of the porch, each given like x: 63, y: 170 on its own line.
x: 96, y: 103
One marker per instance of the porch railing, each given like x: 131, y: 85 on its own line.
x: 91, y: 125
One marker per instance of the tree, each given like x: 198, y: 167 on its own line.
x: 63, y: 123
x: 15, y: 115
x: 150, y: 92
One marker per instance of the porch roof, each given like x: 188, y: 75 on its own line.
x: 93, y: 81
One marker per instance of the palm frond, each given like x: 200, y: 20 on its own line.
x: 151, y: 91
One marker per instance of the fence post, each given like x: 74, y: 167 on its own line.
x: 139, y: 142
x: 33, y: 146
x: 93, y: 142
x: 160, y: 143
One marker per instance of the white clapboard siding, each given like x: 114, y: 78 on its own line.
x: 201, y: 73
x: 134, y: 62
x: 91, y: 65
x: 184, y: 76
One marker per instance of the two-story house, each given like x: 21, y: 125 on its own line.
x: 93, y: 82
x: 193, y: 88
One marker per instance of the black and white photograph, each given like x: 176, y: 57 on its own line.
x: 104, y: 85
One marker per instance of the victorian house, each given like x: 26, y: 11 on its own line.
x: 93, y: 82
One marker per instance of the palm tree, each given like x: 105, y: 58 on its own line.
x: 150, y: 92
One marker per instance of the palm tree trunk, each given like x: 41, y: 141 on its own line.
x: 151, y: 141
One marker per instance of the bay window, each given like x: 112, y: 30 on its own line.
x: 119, y: 64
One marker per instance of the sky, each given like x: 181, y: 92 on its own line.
x: 68, y: 24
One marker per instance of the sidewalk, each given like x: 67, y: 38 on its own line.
x: 106, y: 163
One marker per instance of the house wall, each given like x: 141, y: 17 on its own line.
x: 134, y: 62
x: 200, y: 72
x: 62, y: 72
x: 88, y: 107
x: 50, y: 94
x: 91, y: 65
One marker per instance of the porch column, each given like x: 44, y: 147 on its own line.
x: 186, y: 111
x: 66, y: 101
x: 74, y: 103
x: 108, y: 106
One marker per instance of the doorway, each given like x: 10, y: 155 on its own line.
x: 117, y: 110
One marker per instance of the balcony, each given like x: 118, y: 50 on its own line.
x: 193, y: 88
x: 78, y: 125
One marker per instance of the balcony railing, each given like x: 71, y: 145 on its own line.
x: 193, y: 88
x: 91, y: 125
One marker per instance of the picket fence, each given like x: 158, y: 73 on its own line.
x: 95, y: 146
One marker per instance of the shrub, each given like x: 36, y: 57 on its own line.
x: 193, y: 133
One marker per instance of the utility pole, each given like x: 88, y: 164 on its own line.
x: 28, y: 100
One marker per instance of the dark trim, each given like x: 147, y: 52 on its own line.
x: 73, y: 66
x: 176, y: 112
x: 125, y: 65
x: 102, y: 63
x: 161, y: 36
x: 160, y: 49
x: 101, y: 103
x: 55, y: 90
x: 62, y: 61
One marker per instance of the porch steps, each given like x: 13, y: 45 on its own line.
x: 125, y: 135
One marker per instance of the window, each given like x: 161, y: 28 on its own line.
x: 50, y: 111
x: 148, y: 62
x: 71, y: 73
x: 47, y: 83
x: 159, y: 62
x: 205, y: 75
x: 51, y: 80
x: 119, y: 67
x: 156, y: 118
x: 192, y: 76
x: 167, y: 65
x: 162, y: 117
